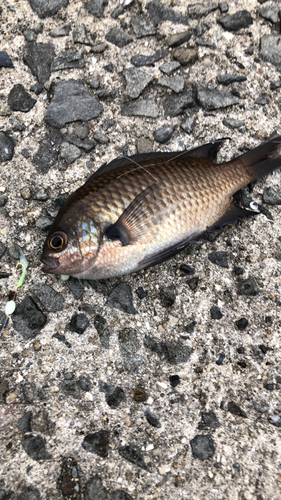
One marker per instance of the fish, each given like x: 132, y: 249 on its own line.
x: 138, y: 211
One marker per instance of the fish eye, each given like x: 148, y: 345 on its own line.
x: 58, y: 241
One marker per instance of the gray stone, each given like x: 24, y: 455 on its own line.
x: 48, y: 298
x: 152, y: 419
x: 262, y: 100
x: 47, y: 154
x: 121, y: 298
x: 174, y: 104
x: 140, y: 107
x: 237, y: 21
x: 163, y: 135
x: 5, y: 60
x: 94, y: 84
x: 174, y: 352
x: 82, y: 130
x: 199, y: 10
x: 233, y: 123
x: 203, y: 447
x: 58, y: 31
x: 76, y: 287
x: 71, y: 103
x: 16, y: 124
x: 188, y: 124
x: 211, y: 99
x: 179, y: 38
x: 129, y: 346
x: 209, y: 420
x: 100, y: 137
x: 39, y: 57
x: 41, y: 195
x: 175, y: 83
x: 29, y: 35
x: 270, y: 49
x: 98, y: 443
x: 137, y: 81
x: 43, y: 223
x: 235, y: 409
x: 94, y: 490
x: 96, y: 7
x: 47, y: 9
x: 35, y: 447
x: 169, y: 67
x: 248, y: 287
x: 79, y: 323
x: 6, y: 147
x: 168, y: 296
x: 80, y: 35
x: 142, y: 26
x: 142, y: 60
x: 20, y: 100
x: 228, y: 79
x: 159, y: 12
x: 270, y: 13
x: 133, y: 454
x: 24, y: 423
x: 68, y: 60
x: 271, y: 197
x: 219, y: 259
x: 186, y: 56
x: 69, y: 153
x: 144, y: 145
x: 118, y: 37
x: 86, y: 144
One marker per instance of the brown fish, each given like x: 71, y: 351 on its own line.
x: 138, y: 211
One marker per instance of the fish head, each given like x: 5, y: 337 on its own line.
x: 71, y: 245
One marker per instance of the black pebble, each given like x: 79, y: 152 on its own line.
x: 114, y: 397
x: 215, y: 312
x: 219, y: 259
x: 248, y: 287
x: 37, y: 88
x: 209, y: 420
x: 238, y: 271
x: 241, y: 324
x: 269, y: 387
x: 220, y: 359
x: 152, y: 419
x: 98, y: 443
x: 133, y: 454
x: 186, y: 269
x: 5, y: 60
x: 20, y: 100
x: 174, y: 380
x: 203, y: 447
x: 24, y: 423
x: 242, y: 364
x: 236, y: 410
x: 141, y: 293
x: 94, y: 488
x: 263, y: 348
x: 168, y: 296
x: 78, y: 323
x: 190, y: 327
x: 35, y: 447
x: 25, y: 153
x: 61, y: 338
x: 121, y: 298
x: 193, y: 283
x: 28, y: 319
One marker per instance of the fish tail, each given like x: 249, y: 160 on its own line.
x: 264, y: 159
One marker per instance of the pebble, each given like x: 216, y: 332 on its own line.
x: 233, y: 123
x: 174, y: 352
x: 47, y: 154
x: 139, y: 395
x: 248, y: 287
x: 80, y: 35
x: 199, y: 10
x: 26, y: 193
x: 174, y: 380
x: 24, y: 423
x: 209, y: 420
x: 6, y: 147
x: 68, y: 60
x: 219, y: 259
x: 186, y: 56
x: 94, y: 84
x: 275, y: 420
x: 168, y: 296
x: 228, y: 79
x: 223, y: 7
x: 211, y: 99
x: 133, y: 454
x: 25, y: 153
x: 235, y: 409
x: 41, y: 195
x: 35, y: 447
x: 241, y: 324
x: 144, y: 145
x: 158, y: 12
x: 193, y: 283
x: 94, y: 488
x: 16, y: 124
x: 163, y: 135
x: 5, y: 60
x: 14, y: 251
x: 175, y: 83
x: 71, y: 388
x: 270, y: 13
x: 96, y: 7
x: 102, y: 329
x: 179, y: 38
x: 137, y: 81
x: 28, y: 320
x: 140, y: 107
x: 152, y: 419
x: 130, y: 346
x: 86, y: 144
x: 262, y: 100
x: 270, y: 49
x: 29, y: 493
x: 119, y: 37
x: 169, y: 67
x: 174, y: 105
x: 29, y: 35
x: 271, y: 197
x: 142, y: 26
x: 114, y: 396
x: 69, y: 153
x: 220, y: 359
x: 78, y: 323
x: 142, y: 60
x: 71, y: 102
x: 121, y: 298
x: 203, y: 447
x: 237, y: 21
x: 61, y: 338
x: 47, y: 9
x: 188, y: 124
x: 81, y: 130
x: 108, y: 124
x: 62, y: 30
x: 216, y: 312
x: 39, y: 58
x: 43, y: 223
x: 98, y: 443
x: 117, y: 12
x: 48, y: 298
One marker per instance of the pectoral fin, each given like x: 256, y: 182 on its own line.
x: 233, y: 213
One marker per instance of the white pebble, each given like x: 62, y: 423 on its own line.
x: 10, y: 307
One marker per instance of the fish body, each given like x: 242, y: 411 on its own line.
x: 139, y: 211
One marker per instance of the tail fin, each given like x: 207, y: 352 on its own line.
x: 264, y: 159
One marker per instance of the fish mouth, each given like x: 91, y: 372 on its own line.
x: 50, y: 265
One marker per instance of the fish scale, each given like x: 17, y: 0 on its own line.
x: 138, y: 211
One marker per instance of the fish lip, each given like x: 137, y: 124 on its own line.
x: 50, y: 265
